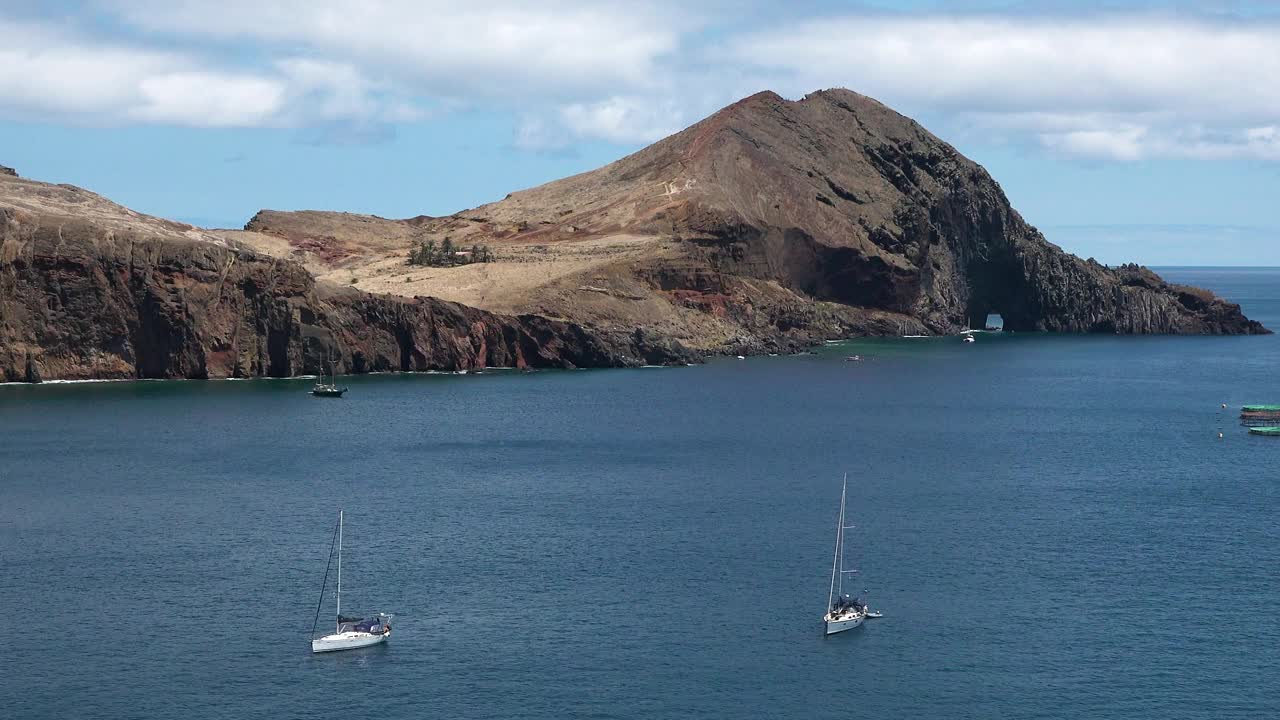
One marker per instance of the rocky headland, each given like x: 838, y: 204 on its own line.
x: 768, y: 227
x: 89, y: 289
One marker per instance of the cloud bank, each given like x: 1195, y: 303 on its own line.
x: 1120, y: 87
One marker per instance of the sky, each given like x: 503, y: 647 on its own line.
x: 1135, y: 131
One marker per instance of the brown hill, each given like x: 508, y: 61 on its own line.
x: 768, y: 226
x: 90, y: 289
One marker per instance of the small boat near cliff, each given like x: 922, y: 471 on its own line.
x: 349, y: 633
x: 331, y: 389
x: 843, y: 612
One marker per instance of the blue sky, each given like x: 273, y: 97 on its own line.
x: 1139, y: 131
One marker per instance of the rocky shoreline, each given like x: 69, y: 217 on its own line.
x: 769, y: 227
x: 81, y: 301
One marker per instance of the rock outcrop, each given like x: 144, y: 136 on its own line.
x: 767, y: 227
x: 92, y: 290
x: 783, y: 223
x: 844, y: 200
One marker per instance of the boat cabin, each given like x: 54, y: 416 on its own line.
x: 376, y: 625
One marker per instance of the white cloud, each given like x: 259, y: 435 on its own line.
x: 1120, y: 144
x: 209, y: 99
x: 335, y: 91
x: 1119, y: 87
x: 618, y: 119
x: 487, y: 50
x: 49, y: 73
x: 1128, y: 64
x: 1115, y: 136
x: 624, y: 119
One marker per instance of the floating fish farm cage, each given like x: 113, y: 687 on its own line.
x: 1260, y: 416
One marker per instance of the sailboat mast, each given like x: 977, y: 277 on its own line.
x: 835, y: 560
x: 843, y: 505
x: 338, y: 621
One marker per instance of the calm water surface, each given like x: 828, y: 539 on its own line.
x: 1050, y: 525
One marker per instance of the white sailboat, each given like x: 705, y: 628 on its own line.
x: 323, y: 389
x: 349, y: 632
x: 843, y: 612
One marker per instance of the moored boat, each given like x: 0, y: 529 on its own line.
x: 843, y: 612
x: 355, y: 633
x: 330, y: 389
x: 1269, y: 431
x: 349, y: 632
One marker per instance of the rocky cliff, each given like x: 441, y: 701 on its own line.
x: 768, y: 227
x: 89, y: 289
x: 773, y: 224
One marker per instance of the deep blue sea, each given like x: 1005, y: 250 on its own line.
x: 1050, y: 525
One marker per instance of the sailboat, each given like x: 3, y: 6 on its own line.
x: 348, y: 632
x: 843, y: 612
x: 322, y: 389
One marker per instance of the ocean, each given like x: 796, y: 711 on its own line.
x: 1050, y: 524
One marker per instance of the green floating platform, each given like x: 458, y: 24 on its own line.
x: 1273, y: 431
x: 1260, y: 408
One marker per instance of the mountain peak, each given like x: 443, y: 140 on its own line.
x: 793, y: 220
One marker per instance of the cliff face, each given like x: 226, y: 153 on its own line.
x: 101, y: 292
x: 769, y: 226
x: 844, y: 200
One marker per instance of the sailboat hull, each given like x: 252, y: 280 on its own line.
x: 835, y: 626
x: 347, y: 641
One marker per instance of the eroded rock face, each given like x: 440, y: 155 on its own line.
x: 837, y: 199
x: 767, y: 227
x: 842, y: 199
x: 78, y: 301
